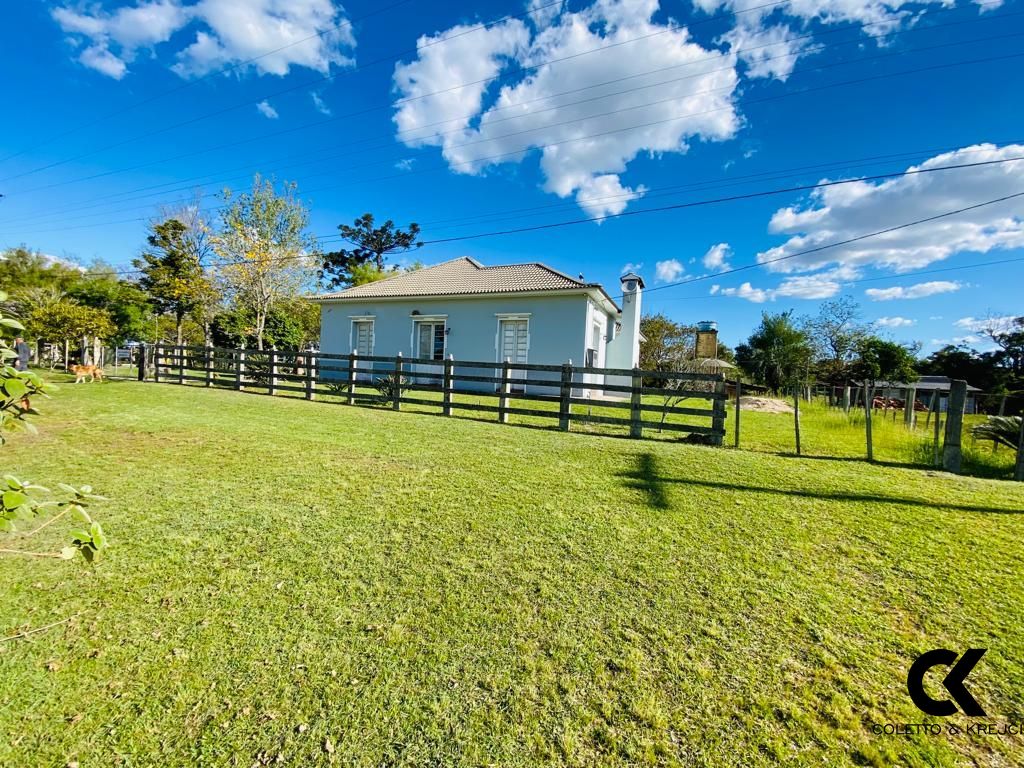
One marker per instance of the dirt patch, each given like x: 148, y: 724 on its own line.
x: 765, y: 405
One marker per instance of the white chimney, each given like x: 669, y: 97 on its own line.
x: 624, y: 352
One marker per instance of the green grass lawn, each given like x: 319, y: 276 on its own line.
x: 354, y: 586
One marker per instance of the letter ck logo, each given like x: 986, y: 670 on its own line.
x: 953, y: 682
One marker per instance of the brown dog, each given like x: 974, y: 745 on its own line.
x: 81, y: 371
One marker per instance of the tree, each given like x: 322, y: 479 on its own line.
x: 880, y: 360
x: 779, y: 355
x: 666, y: 344
x: 100, y: 287
x: 68, y: 320
x: 835, y: 332
x: 172, y: 274
x: 365, y: 261
x: 265, y: 255
x: 22, y: 501
x: 22, y: 268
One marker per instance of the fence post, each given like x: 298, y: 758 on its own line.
x: 208, y: 358
x: 352, y: 377
x: 937, y: 427
x: 396, y: 403
x: 636, y: 413
x: 952, y: 456
x: 180, y: 351
x: 448, y: 384
x: 564, y: 393
x: 718, y: 409
x: 156, y: 362
x: 506, y: 387
x: 311, y: 363
x: 141, y: 360
x: 908, y: 407
x: 239, y: 369
x: 796, y: 417
x: 869, y: 397
x: 738, y: 387
x: 272, y: 360
x: 1018, y: 469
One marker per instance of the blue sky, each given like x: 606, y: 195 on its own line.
x: 411, y: 111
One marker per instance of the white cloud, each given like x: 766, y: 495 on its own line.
x: 895, y: 322
x: 764, y: 32
x: 405, y: 164
x: 102, y: 60
x: 668, y: 271
x: 319, y: 105
x: 631, y: 267
x: 838, y: 213
x: 745, y: 291
x: 128, y: 29
x: 274, y: 35
x: 587, y: 138
x: 266, y: 110
x: 919, y: 291
x: 716, y: 257
x: 823, y: 285
x: 976, y: 324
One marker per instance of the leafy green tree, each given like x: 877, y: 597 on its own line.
x: 290, y: 325
x: 880, y: 360
x: 25, y: 502
x: 22, y: 268
x: 835, y: 332
x: 779, y: 354
x: 67, y: 320
x: 666, y: 344
x: 101, y: 288
x: 365, y: 261
x: 172, y: 274
x: 265, y: 255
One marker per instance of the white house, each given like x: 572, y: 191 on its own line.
x: 526, y: 313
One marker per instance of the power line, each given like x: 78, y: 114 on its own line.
x: 529, y: 146
x: 836, y: 244
x: 389, y: 139
x: 190, y: 83
x: 917, y: 273
x: 360, y: 68
x: 734, y: 198
x: 715, y: 201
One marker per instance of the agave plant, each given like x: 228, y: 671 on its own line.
x: 999, y: 429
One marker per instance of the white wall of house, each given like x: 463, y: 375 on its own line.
x: 472, y: 328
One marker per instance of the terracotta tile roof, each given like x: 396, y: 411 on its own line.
x: 461, y: 277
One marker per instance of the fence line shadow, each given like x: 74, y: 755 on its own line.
x: 646, y: 477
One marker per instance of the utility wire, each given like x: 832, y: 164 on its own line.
x: 765, y: 193
x: 916, y: 273
x: 400, y: 102
x: 190, y: 83
x: 591, y: 136
x: 836, y: 244
x: 719, y: 200
x: 62, y: 213
x: 360, y: 68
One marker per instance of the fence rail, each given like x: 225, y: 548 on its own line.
x: 513, y: 386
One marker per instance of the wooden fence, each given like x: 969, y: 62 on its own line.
x: 519, y: 389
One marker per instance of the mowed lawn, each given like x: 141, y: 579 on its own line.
x: 311, y: 583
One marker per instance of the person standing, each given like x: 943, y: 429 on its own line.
x: 23, y: 353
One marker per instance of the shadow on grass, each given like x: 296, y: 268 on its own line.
x: 647, y: 478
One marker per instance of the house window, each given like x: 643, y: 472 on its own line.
x: 430, y: 339
x: 362, y: 337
